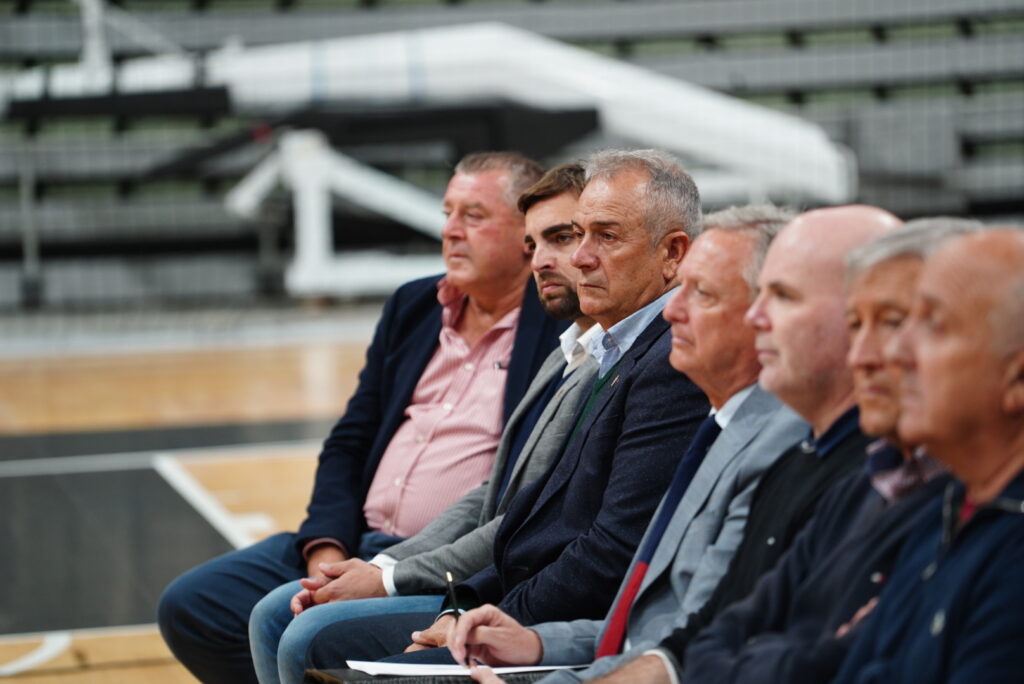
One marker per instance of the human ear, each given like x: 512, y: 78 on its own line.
x: 1013, y: 384
x: 675, y: 245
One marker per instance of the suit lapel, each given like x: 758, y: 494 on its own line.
x: 572, y: 451
x: 551, y: 369
x: 745, y: 425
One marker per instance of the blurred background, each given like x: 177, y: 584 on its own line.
x: 203, y: 203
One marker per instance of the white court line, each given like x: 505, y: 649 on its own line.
x: 119, y: 630
x: 204, y: 502
x: 54, y: 643
x: 61, y: 465
x: 136, y: 460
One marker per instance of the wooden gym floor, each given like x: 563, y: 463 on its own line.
x: 118, y: 471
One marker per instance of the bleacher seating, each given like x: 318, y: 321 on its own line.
x: 929, y: 95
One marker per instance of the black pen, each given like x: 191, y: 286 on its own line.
x: 451, y: 594
x: 455, y: 606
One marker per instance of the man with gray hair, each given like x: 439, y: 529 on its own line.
x: 566, y: 540
x: 952, y: 609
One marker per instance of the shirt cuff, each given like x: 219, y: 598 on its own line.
x: 666, y: 660
x: 321, y: 540
x: 387, y: 571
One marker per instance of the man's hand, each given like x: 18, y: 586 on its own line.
x: 350, y: 579
x: 647, y: 669
x: 324, y: 553
x: 490, y: 636
x: 485, y: 675
x: 434, y: 636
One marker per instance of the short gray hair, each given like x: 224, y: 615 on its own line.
x: 762, y: 221
x: 671, y: 196
x: 919, y: 238
x: 522, y: 171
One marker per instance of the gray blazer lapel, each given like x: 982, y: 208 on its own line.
x: 551, y: 367
x: 744, y: 426
x: 553, y: 421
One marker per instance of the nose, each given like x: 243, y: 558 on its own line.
x: 542, y: 259
x: 675, y: 308
x: 865, y: 349
x: 899, y: 349
x: 757, y: 316
x: 584, y: 256
x: 453, y: 229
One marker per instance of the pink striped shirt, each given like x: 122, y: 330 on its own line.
x: 446, y: 446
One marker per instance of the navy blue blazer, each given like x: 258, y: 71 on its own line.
x: 404, y: 342
x: 566, y: 540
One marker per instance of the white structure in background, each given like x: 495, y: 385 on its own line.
x: 754, y: 152
x: 306, y: 164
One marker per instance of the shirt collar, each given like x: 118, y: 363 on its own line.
x: 725, y: 415
x: 612, y: 344
x: 843, y: 427
x: 574, y: 343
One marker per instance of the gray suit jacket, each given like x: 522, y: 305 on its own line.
x: 698, y: 544
x: 461, y: 539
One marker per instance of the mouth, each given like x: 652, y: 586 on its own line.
x: 680, y: 340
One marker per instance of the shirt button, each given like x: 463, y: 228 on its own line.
x: 398, y: 482
x: 771, y: 541
x: 469, y: 366
x: 419, y: 439
x: 938, y: 622
x: 877, y: 578
x: 928, y: 572
x: 447, y: 406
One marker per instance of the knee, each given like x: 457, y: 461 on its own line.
x: 175, y: 609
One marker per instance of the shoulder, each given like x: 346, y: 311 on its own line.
x: 417, y: 289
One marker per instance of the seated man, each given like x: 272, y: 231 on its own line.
x: 460, y: 539
x: 796, y: 624
x: 419, y: 432
x: 800, y: 304
x: 566, y: 540
x: 953, y: 608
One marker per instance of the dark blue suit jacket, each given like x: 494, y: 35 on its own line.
x: 404, y: 342
x: 567, y: 539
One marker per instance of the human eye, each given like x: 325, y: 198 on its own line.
x: 893, y: 319
x: 853, y: 322
x: 565, y: 237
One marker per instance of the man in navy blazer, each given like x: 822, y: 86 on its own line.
x: 567, y: 539
x: 203, y: 614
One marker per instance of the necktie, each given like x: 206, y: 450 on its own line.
x: 611, y: 642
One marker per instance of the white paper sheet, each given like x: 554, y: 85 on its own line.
x: 411, y: 670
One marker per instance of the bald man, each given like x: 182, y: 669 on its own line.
x: 953, y: 608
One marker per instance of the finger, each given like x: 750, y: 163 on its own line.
x: 414, y: 647
x: 336, y: 569
x: 313, y: 583
x: 484, y: 674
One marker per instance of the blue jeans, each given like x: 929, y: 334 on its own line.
x: 204, y: 613
x: 279, y: 639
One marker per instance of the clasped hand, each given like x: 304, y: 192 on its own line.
x: 339, y: 581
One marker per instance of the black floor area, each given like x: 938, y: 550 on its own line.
x: 93, y: 549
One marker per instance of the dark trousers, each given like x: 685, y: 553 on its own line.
x: 378, y: 637
x: 204, y: 613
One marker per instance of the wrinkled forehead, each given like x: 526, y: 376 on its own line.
x: 892, y: 281
x: 488, y: 189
